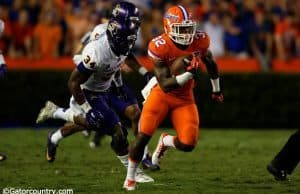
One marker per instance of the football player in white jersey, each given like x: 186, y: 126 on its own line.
x: 3, y: 70
x: 123, y: 99
x: 89, y: 83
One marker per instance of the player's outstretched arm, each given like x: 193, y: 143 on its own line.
x: 133, y: 63
x: 93, y: 117
x: 75, y: 80
x: 212, y: 69
x: 211, y: 65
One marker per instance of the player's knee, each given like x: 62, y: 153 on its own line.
x: 133, y: 113
x: 136, y: 115
x: 183, y: 147
x: 119, y: 142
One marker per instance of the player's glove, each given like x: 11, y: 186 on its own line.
x: 217, y: 97
x: 148, y: 76
x: 3, y: 70
x: 121, y: 93
x: 94, y: 119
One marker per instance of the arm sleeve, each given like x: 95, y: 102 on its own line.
x: 157, y: 50
x: 203, y: 41
x: 97, y: 31
x: 88, y: 60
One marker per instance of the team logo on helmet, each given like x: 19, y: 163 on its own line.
x: 171, y: 17
x: 113, y: 27
x: 116, y: 10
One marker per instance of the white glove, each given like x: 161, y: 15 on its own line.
x: 85, y: 107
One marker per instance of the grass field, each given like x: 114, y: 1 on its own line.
x: 225, y: 161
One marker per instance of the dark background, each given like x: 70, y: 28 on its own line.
x: 256, y: 100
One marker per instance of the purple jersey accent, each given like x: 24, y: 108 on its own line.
x: 119, y: 105
x: 100, y: 101
x: 82, y: 69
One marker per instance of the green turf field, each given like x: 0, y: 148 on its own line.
x: 225, y: 161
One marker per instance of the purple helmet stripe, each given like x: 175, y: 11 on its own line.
x: 185, y: 14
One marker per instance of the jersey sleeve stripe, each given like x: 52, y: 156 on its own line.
x: 82, y: 69
x: 153, y: 55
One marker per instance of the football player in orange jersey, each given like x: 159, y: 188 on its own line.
x: 173, y: 94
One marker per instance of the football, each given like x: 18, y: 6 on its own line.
x: 179, y: 66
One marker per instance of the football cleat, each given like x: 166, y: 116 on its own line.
x: 147, y: 163
x: 86, y: 133
x: 46, y: 112
x: 94, y: 144
x: 96, y: 140
x: 141, y: 177
x: 2, y: 157
x: 279, y: 175
x: 129, y: 185
x: 159, y: 151
x: 50, y: 149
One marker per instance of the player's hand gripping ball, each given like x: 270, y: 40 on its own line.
x: 189, y: 63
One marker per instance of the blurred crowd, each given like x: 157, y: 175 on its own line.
x: 264, y: 29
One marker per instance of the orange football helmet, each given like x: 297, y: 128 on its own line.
x: 179, y: 25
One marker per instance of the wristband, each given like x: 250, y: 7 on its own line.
x: 183, y: 78
x: 215, y: 85
x: 86, y: 106
x: 142, y: 70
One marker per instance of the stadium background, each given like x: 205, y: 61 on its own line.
x: 256, y: 44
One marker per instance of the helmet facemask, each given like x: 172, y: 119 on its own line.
x: 122, y: 35
x: 183, y: 33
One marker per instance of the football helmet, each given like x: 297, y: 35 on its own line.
x: 179, y: 25
x: 123, y: 27
x: 127, y: 11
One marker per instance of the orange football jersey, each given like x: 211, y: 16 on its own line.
x: 163, y: 48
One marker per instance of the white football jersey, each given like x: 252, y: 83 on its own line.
x: 97, y: 30
x: 94, y: 34
x: 98, y: 58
